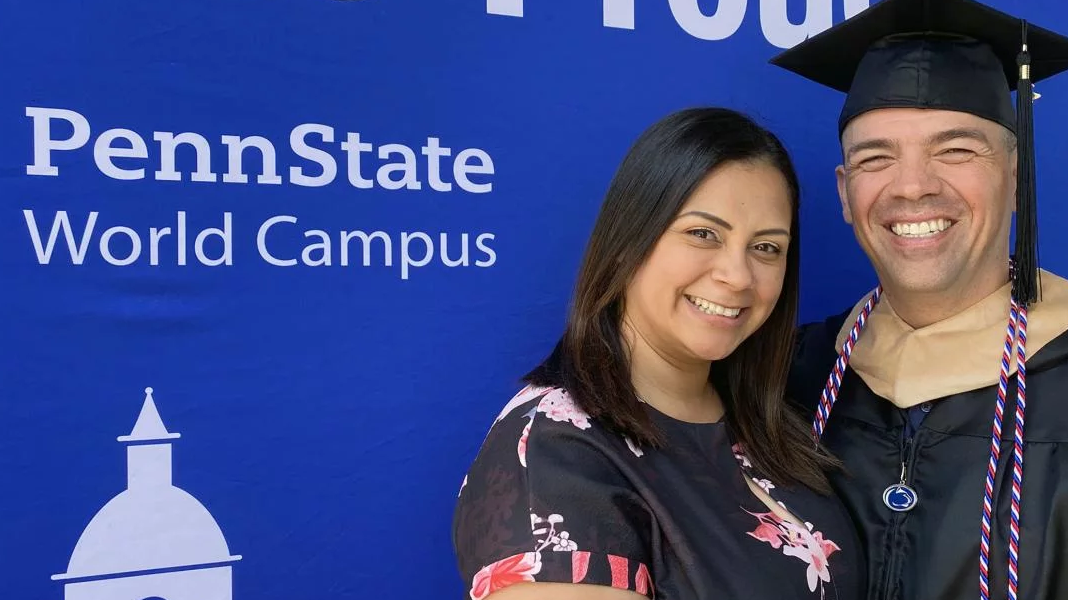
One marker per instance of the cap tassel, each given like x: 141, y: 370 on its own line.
x: 1025, y: 280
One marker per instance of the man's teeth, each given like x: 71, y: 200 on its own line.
x: 922, y: 229
x: 711, y: 308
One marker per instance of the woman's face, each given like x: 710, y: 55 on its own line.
x: 716, y: 273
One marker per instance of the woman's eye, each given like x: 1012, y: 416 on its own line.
x: 768, y: 248
x: 704, y: 234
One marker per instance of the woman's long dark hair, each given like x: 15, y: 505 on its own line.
x: 660, y: 171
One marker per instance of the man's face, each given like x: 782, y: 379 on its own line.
x: 930, y: 196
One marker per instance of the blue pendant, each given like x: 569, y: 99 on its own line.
x: 900, y: 497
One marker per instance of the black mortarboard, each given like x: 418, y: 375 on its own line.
x: 945, y: 54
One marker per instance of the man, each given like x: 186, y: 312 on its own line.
x: 935, y: 162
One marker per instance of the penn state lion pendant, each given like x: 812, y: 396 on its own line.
x: 900, y: 497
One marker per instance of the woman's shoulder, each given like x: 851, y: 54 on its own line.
x: 550, y: 415
x: 553, y: 401
x: 547, y: 499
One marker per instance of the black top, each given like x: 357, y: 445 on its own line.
x: 932, y: 552
x: 555, y: 497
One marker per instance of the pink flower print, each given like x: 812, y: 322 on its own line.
x: 764, y: 484
x: 559, y: 406
x: 522, y: 446
x: 524, y: 395
x: 505, y: 572
x: 767, y: 532
x: 580, y: 565
x: 739, y: 455
x: 813, y: 549
x: 799, y: 542
x: 642, y: 582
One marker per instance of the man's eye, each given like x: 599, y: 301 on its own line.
x: 957, y: 153
x: 874, y: 159
x: 874, y: 163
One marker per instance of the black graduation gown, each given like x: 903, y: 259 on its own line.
x: 932, y: 552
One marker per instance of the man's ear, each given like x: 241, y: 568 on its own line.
x: 840, y: 177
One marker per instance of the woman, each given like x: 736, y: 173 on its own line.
x: 653, y: 454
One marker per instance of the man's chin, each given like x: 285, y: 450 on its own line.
x: 919, y: 280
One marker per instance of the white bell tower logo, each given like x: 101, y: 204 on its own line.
x: 152, y: 540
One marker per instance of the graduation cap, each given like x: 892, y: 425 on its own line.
x: 944, y: 54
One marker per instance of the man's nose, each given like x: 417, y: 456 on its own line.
x: 915, y: 178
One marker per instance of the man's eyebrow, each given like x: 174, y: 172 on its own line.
x: 872, y: 144
x: 957, y: 133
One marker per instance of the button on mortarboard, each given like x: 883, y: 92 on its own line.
x: 943, y: 54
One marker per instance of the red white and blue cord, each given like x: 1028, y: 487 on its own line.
x: 1016, y: 332
x: 830, y: 390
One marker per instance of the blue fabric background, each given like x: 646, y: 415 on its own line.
x: 328, y: 413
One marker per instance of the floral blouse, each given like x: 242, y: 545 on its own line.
x: 554, y: 497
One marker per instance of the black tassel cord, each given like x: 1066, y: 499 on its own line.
x: 1025, y: 284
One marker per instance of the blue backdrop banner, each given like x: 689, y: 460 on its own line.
x: 270, y: 269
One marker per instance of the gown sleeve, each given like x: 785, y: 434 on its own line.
x: 546, y: 500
